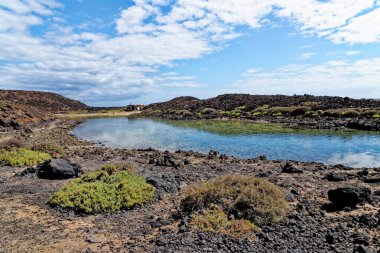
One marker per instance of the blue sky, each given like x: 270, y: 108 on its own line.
x: 118, y: 52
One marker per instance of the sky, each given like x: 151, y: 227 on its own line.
x: 117, y: 52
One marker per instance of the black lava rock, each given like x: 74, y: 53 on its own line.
x: 290, y: 168
x: 334, y: 177
x: 361, y: 238
x: 368, y: 220
x: 349, y: 196
x: 163, y: 184
x: 362, y: 249
x: 166, y: 161
x: 59, y: 169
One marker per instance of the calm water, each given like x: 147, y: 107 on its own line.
x: 241, y: 139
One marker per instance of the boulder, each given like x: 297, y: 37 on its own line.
x: 334, y: 177
x: 163, y: 184
x: 291, y: 169
x: 349, y: 196
x: 59, y: 169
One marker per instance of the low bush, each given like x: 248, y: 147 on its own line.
x: 235, y: 114
x: 313, y: 114
x: 208, y: 111
x: 12, y: 144
x: 240, y: 108
x: 335, y: 113
x: 371, y: 113
x: 283, y: 110
x: 113, y: 168
x: 101, y: 191
x: 263, y: 108
x: 277, y: 114
x: 215, y: 220
x: 376, y: 116
x: 22, y: 157
x: 299, y: 110
x: 183, y: 112
x: 256, y: 114
x: 244, y: 197
x: 350, y: 113
x: 52, y: 149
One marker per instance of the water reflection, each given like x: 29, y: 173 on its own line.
x: 356, y: 160
x: 245, y: 140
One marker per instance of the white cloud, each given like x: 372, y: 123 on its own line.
x: 344, y: 78
x: 84, y: 64
x: 308, y: 55
x: 363, y: 29
x: 353, y: 52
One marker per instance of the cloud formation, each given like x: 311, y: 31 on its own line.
x: 348, y: 78
x: 155, y: 33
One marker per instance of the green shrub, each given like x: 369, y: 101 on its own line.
x: 336, y: 113
x: 216, y: 221
x: 370, y: 112
x: 255, y: 114
x: 100, y: 192
x: 310, y: 104
x: 312, y: 114
x: 22, y: 157
x: 277, y: 114
x: 299, y: 110
x: 263, y: 108
x: 349, y: 113
x: 240, y: 108
x: 113, y: 168
x: 245, y: 197
x: 376, y: 116
x: 52, y: 149
x: 283, y: 110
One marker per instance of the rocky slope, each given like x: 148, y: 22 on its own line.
x: 229, y: 102
x: 304, y: 111
x: 19, y: 108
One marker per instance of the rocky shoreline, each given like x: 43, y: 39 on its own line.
x: 312, y: 225
x: 300, y: 121
x: 316, y: 112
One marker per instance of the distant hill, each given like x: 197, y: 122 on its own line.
x: 23, y: 107
x: 229, y: 102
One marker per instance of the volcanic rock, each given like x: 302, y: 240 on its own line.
x: 291, y: 169
x: 59, y: 169
x: 349, y: 196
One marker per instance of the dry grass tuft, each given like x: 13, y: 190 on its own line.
x: 244, y: 197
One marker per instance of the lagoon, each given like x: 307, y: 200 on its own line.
x: 241, y: 139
